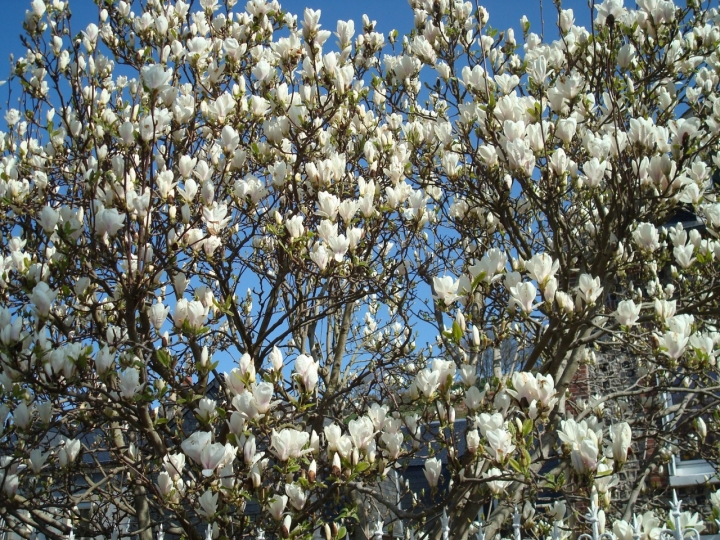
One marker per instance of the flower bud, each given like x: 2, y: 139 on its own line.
x: 312, y: 471
x: 285, y: 529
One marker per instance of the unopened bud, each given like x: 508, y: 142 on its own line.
x: 312, y: 471
x: 285, y: 530
x: 476, y: 336
x: 460, y: 319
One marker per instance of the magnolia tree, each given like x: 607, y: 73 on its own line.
x: 187, y: 187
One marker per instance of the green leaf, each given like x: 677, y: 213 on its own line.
x: 342, y: 531
x: 164, y: 358
x: 457, y: 332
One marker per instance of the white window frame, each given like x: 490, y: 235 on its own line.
x: 689, y: 472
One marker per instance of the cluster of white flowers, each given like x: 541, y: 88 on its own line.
x: 538, y: 207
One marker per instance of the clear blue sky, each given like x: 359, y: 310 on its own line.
x: 390, y: 14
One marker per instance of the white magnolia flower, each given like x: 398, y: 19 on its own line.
x: 289, y: 443
x: 433, y: 470
x: 276, y: 359
x: 621, y: 436
x: 496, y: 485
x: 69, y: 450
x: 276, y: 506
x: 524, y: 296
x: 307, y: 370
x: 627, y: 313
x: 646, y: 236
x: 500, y: 442
x: 542, y: 267
x: 208, y: 504
x: 445, y: 289
x: 129, y: 382
x: 157, y: 314
x: 296, y: 495
x: 362, y: 431
x: 42, y: 298
x: 156, y: 76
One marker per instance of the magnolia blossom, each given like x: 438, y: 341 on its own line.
x: 202, y: 148
x: 194, y: 444
x: 156, y: 76
x: 496, y: 485
x: 589, y: 288
x: 289, y: 443
x: 362, y: 431
x: 542, y: 268
x: 646, y: 236
x: 473, y: 398
x: 212, y: 456
x: 621, y: 436
x: 174, y: 465
x: 69, y: 450
x: 38, y: 459
x: 585, y: 457
x: 500, y: 442
x: 427, y: 381
x: 276, y: 506
x: 276, y: 359
x: 129, y: 382
x: 108, y: 221
x: 208, y: 504
x: 157, y: 313
x: 296, y: 495
x: 42, y: 298
x: 307, y: 371
x: 294, y: 226
x: 433, y: 470
x: 524, y: 296
x: 206, y: 409
x: 627, y: 313
x: 22, y: 415
x: 445, y: 289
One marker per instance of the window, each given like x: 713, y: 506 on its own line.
x: 687, y: 468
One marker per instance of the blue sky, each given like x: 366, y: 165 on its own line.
x: 390, y: 14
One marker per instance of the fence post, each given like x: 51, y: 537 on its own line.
x: 378, y: 533
x: 556, y: 530
x: 636, y: 527
x: 592, y: 517
x: 480, y: 535
x: 679, y: 532
x: 445, y: 523
x: 516, y: 525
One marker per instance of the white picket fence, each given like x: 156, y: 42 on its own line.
x: 677, y: 532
